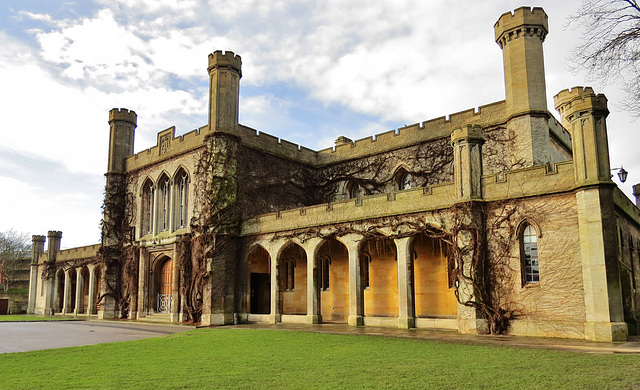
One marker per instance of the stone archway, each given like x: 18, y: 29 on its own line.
x: 260, y: 281
x: 434, y: 289
x: 332, y: 263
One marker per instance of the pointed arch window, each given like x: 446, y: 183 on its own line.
x: 147, y: 207
x: 165, y: 199
x: 289, y: 274
x: 182, y: 200
x: 403, y: 180
x: 529, y: 255
x: 324, y: 273
x: 353, y: 190
x: 366, y: 265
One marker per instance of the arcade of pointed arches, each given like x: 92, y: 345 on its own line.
x: 77, y: 290
x: 352, y: 280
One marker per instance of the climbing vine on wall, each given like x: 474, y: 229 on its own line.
x: 117, y: 257
x: 215, y: 221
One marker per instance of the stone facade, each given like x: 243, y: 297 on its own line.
x: 499, y: 219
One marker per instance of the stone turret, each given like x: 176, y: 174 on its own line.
x: 584, y: 115
x: 467, y: 144
x: 225, y: 71
x: 520, y: 36
x: 636, y: 193
x: 122, y: 125
x: 37, y: 248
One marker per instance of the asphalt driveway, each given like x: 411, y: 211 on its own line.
x: 33, y: 336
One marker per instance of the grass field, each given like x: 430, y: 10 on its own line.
x: 259, y: 359
x: 27, y: 318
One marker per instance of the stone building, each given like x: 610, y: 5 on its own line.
x: 500, y: 218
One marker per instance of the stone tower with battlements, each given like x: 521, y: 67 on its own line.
x: 520, y: 36
x: 225, y: 71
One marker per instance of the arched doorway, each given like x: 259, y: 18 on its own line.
x: 98, y: 290
x: 434, y: 288
x: 293, y: 280
x: 379, y: 269
x: 59, y: 299
x: 85, y: 291
x: 260, y: 281
x: 164, y: 285
x: 333, y: 281
x: 71, y: 305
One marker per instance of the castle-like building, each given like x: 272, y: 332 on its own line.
x: 498, y: 219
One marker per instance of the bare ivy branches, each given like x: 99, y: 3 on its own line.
x: 117, y: 256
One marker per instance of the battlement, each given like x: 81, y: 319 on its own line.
x: 227, y: 59
x: 437, y: 128
x: 575, y: 99
x: 81, y: 252
x: 522, y: 21
x: 167, y: 146
x: 122, y: 114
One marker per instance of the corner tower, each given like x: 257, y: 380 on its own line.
x: 584, y: 115
x: 520, y: 36
x: 225, y: 71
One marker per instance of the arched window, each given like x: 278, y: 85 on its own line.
x: 366, y: 265
x: 324, y: 273
x: 182, y: 199
x: 353, y: 190
x: 165, y: 199
x: 403, y: 180
x: 529, y: 255
x: 147, y: 207
x: 289, y: 274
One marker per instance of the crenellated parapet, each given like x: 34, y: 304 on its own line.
x: 524, y: 21
x: 122, y: 114
x: 568, y: 102
x: 225, y: 60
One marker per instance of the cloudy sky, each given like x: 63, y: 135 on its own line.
x: 312, y: 70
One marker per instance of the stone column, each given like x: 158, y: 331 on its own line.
x: 313, y: 290
x: 79, y: 292
x: 356, y: 299
x: 175, y: 290
x: 53, y: 300
x: 274, y: 250
x: 66, y: 298
x: 37, y: 248
x: 91, y: 307
x: 406, y: 309
x: 143, y: 285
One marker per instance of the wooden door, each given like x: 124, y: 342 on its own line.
x: 166, y: 277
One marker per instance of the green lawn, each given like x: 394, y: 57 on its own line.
x: 27, y: 318
x: 259, y: 359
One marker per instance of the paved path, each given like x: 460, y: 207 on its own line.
x: 33, y: 336
x: 574, y: 345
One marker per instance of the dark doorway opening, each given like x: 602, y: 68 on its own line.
x: 260, y: 293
